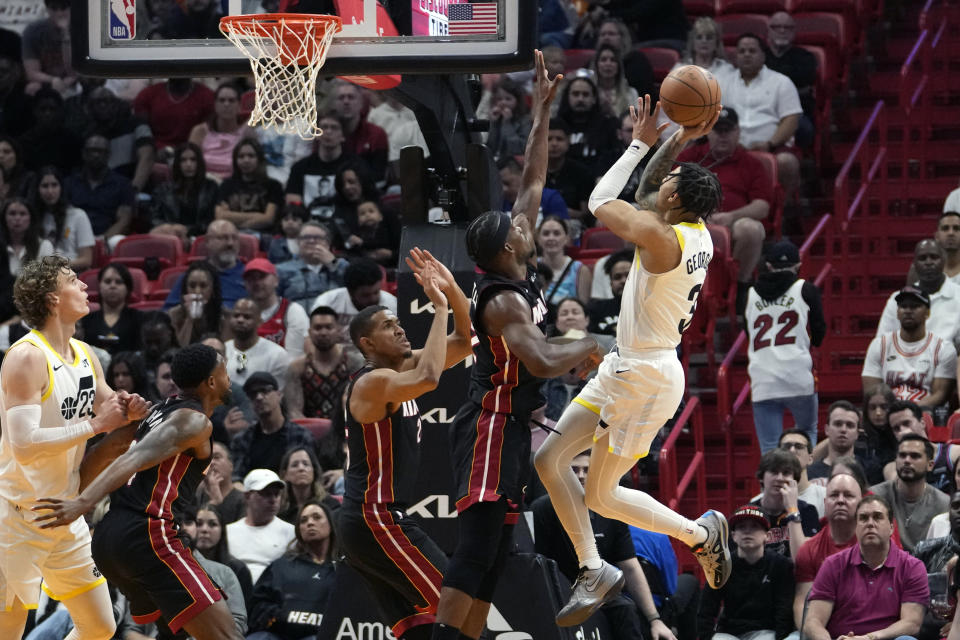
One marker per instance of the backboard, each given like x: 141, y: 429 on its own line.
x: 155, y: 38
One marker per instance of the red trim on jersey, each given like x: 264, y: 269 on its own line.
x: 487, y: 455
x: 911, y: 354
x: 378, y: 442
x: 503, y: 380
x: 147, y: 618
x: 406, y: 556
x: 196, y: 583
x: 274, y: 328
x: 409, y: 622
x: 167, y: 487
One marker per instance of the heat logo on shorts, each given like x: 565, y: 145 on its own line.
x: 123, y: 19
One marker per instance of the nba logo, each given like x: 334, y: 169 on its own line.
x: 123, y: 21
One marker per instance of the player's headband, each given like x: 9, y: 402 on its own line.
x: 491, y: 245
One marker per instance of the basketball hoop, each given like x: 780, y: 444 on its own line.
x: 286, y: 52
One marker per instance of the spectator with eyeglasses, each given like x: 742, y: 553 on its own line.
x: 315, y: 271
x: 262, y: 445
x: 223, y: 253
x: 797, y: 442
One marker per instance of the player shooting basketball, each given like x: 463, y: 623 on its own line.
x: 641, y: 382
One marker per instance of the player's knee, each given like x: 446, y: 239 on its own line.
x: 545, y: 459
x: 466, y: 572
x: 96, y: 629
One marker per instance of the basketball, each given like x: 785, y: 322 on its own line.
x: 689, y: 95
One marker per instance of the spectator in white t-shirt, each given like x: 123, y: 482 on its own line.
x: 948, y: 237
x: 769, y: 108
x: 260, y: 537
x: 362, y: 280
x: 917, y: 364
x: 248, y: 352
x: 944, y: 319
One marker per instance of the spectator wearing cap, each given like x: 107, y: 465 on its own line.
x: 913, y: 500
x: 260, y: 537
x: 262, y: 445
x: 783, y: 317
x: 361, y: 289
x: 747, y: 191
x: 944, y: 295
x: 314, y: 271
x: 791, y: 519
x: 769, y: 107
x: 281, y: 320
x: 247, y: 352
x: 872, y: 590
x: 755, y: 602
x: 917, y: 364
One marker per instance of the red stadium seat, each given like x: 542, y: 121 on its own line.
x: 722, y: 288
x: 935, y: 434
x: 697, y: 8
x: 953, y: 424
x: 578, y: 59
x: 600, y: 238
x: 661, y: 59
x: 137, y: 250
x: 774, y: 221
x: 141, y: 285
x: 826, y: 30
x: 168, y: 277
x: 767, y: 7
x: 248, y: 247
x: 318, y: 427
x: 735, y: 24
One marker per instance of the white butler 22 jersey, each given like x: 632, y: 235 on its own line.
x: 657, y: 308
x: 68, y: 399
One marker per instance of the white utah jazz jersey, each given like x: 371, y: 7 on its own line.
x: 656, y: 308
x: 779, y: 351
x: 68, y: 399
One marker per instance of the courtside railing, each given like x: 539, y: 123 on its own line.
x: 727, y: 410
x: 673, y: 488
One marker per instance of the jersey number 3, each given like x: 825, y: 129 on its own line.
x: 764, y: 323
x: 692, y: 297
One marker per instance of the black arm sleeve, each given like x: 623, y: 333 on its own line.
x: 816, y: 321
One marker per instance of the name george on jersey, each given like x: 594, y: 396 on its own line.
x: 698, y: 260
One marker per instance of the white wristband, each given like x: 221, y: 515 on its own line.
x: 616, y: 178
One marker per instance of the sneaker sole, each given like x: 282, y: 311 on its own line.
x: 579, y: 616
x: 725, y: 533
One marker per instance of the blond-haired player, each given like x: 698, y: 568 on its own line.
x: 51, y: 387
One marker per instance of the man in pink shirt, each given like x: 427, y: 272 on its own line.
x: 872, y: 590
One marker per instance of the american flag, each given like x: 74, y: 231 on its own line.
x: 469, y: 19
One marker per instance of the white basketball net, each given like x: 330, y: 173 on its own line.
x: 286, y: 60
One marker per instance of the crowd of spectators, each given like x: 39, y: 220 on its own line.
x: 86, y: 162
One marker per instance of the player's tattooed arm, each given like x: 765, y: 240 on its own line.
x: 656, y: 170
x: 183, y: 430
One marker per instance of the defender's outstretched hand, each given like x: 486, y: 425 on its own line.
x: 420, y: 258
x: 545, y: 89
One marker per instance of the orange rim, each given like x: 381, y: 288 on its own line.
x: 261, y: 21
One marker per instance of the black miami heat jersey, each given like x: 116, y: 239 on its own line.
x: 164, y: 490
x: 384, y: 455
x: 499, y: 382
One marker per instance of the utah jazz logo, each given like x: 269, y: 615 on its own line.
x: 80, y: 405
